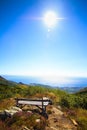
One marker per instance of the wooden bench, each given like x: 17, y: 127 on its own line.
x: 40, y: 103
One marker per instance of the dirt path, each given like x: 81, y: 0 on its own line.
x: 57, y: 121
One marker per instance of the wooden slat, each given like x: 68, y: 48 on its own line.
x: 39, y: 103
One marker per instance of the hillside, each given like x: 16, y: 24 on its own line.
x: 11, y: 89
x: 67, y: 112
x: 83, y: 91
x: 71, y: 89
x: 5, y: 82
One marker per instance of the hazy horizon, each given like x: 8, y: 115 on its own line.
x: 59, y: 82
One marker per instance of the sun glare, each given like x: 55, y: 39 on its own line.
x: 50, y: 19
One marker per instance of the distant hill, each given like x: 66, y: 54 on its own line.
x: 10, y: 89
x: 1, y: 78
x: 71, y: 89
x: 6, y: 88
x: 3, y: 81
x: 6, y: 82
x: 82, y: 91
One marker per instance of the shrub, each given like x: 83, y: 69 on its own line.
x: 3, y: 126
x: 26, y: 119
x: 76, y: 101
x: 82, y: 121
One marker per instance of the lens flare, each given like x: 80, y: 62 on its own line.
x: 50, y: 19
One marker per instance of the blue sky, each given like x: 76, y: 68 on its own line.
x: 26, y: 46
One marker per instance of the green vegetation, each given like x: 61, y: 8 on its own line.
x: 75, y: 105
x: 22, y: 119
x: 10, y: 90
x: 74, y: 100
x: 81, y: 118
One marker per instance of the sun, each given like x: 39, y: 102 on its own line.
x: 50, y: 18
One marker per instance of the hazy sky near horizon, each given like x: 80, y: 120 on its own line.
x: 28, y: 48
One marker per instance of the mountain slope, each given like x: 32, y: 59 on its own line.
x: 83, y: 91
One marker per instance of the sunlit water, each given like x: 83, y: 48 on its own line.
x: 67, y: 82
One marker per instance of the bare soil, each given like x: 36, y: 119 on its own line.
x: 58, y: 121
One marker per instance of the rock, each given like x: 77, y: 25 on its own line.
x: 25, y: 128
x: 37, y: 120
x: 12, y: 111
x: 16, y: 108
x: 74, y: 122
x: 25, y: 108
x: 55, y: 120
x: 30, y: 112
x: 45, y: 98
x: 59, y: 107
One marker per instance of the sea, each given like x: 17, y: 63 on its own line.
x: 72, y: 81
